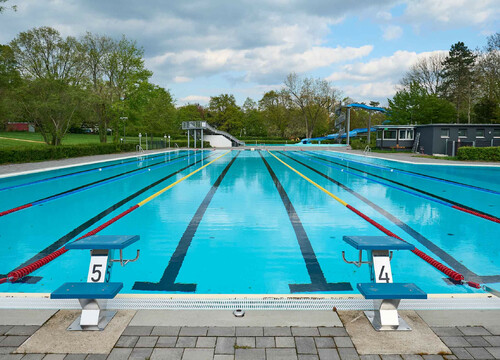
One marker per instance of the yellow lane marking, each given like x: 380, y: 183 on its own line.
x: 32, y: 141
x: 312, y: 182
x: 178, y: 181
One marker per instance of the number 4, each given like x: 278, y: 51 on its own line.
x: 386, y: 278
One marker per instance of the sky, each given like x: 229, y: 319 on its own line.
x: 203, y: 48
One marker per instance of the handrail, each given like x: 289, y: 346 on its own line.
x: 226, y: 134
x: 367, y: 150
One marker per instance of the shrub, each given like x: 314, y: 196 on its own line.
x: 29, y: 154
x: 479, y: 153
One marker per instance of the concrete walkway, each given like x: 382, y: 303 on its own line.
x: 446, y: 335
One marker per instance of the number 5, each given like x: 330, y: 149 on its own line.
x: 96, y: 271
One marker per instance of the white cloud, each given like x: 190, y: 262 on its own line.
x: 392, y: 32
x: 195, y: 99
x: 182, y: 79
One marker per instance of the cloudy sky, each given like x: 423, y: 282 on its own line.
x: 203, y: 48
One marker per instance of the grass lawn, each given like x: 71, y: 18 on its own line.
x: 69, y: 139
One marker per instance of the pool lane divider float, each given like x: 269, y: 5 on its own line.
x: 15, y: 275
x: 96, y: 183
x: 457, y: 277
x: 415, y: 174
x: 96, y: 169
x: 428, y: 196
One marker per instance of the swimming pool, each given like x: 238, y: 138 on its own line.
x: 247, y: 223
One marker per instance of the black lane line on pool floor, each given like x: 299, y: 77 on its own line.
x: 167, y: 281
x: 63, y: 240
x: 450, y: 260
x: 318, y: 280
x: 400, y: 184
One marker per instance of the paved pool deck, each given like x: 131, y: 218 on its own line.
x: 259, y: 335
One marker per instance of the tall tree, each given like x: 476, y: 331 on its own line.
x: 3, y: 8
x: 225, y: 114
x: 458, y: 78
x: 275, y: 109
x: 427, y: 72
x: 9, y: 80
x: 253, y: 123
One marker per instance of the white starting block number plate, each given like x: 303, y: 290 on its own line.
x: 382, y: 268
x: 97, y: 269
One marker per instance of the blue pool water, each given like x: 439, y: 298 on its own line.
x: 228, y: 228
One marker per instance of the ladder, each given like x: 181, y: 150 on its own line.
x: 414, y: 149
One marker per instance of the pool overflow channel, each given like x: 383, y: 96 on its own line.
x: 318, y: 282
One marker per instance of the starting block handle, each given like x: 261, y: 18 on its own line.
x: 123, y: 261
x: 360, y: 261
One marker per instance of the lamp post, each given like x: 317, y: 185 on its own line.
x: 165, y: 140
x: 140, y: 140
x: 123, y: 118
x: 169, y: 141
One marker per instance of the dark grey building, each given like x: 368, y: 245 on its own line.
x: 437, y: 138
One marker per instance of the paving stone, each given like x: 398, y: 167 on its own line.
x: 225, y: 345
x: 198, y: 354
x: 332, y: 331
x: 138, y: 330
x: 429, y: 357
x: 186, y: 341
x: 450, y: 357
x: 23, y: 330
x: 265, y: 342
x: 347, y: 354
x: 391, y: 357
x: 126, y: 341
x: 281, y: 354
x: 447, y: 331
x: 223, y: 357
x: 328, y: 354
x: 119, y: 353
x: 250, y: 354
x: 166, y: 330
x: 245, y: 341
x: 250, y: 331
x: 5, y: 328
x: 494, y: 330
x: 407, y: 357
x: 7, y: 349
x: 479, y: 353
x: 2, y: 337
x: 75, y: 357
x: 166, y: 341
x: 461, y: 353
x: 285, y: 342
x: 206, y: 342
x: 476, y: 341
x: 305, y: 331
x: 495, y: 351
x: 96, y: 357
x: 473, y: 330
x: 376, y: 357
x: 493, y: 340
x: 277, y: 331
x: 324, y: 342
x: 13, y: 340
x: 55, y: 356
x: 305, y: 345
x: 455, y: 341
x: 164, y: 354
x: 221, y: 331
x: 308, y: 357
x: 36, y: 356
x: 140, y: 354
x: 147, y: 341
x: 11, y: 357
x: 343, y: 341
x: 193, y: 331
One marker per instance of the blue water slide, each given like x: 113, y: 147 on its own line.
x: 352, y: 133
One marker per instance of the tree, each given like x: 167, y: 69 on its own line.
x: 275, y: 107
x: 225, y: 114
x: 427, y: 73
x: 314, y: 98
x: 253, y: 123
x: 3, y: 8
x: 458, y: 79
x: 9, y: 80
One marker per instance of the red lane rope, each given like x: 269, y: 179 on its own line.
x: 491, y: 218
x: 441, y: 267
x: 6, y: 212
x: 17, y: 274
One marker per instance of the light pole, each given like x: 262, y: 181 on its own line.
x: 123, y: 118
x: 140, y: 140
x: 169, y: 141
x: 165, y: 140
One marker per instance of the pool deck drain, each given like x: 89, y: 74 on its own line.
x: 151, y: 336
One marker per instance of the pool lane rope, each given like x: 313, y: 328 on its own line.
x: 456, y: 276
x: 22, y: 272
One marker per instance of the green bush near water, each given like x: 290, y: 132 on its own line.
x: 29, y: 154
x: 479, y: 153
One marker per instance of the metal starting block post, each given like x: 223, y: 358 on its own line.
x: 385, y: 294
x: 93, y: 294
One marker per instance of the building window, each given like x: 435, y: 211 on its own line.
x: 390, y: 134
x: 480, y: 133
x: 445, y: 133
x: 406, y: 134
x: 402, y: 134
x: 462, y: 133
x: 496, y: 133
x: 379, y: 134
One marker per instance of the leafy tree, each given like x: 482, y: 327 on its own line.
x: 3, y: 8
x: 275, y: 107
x: 458, y: 78
x: 253, y: 123
x: 9, y: 80
x: 427, y: 73
x: 225, y: 114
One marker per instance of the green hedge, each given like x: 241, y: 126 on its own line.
x: 21, y: 155
x: 479, y: 153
